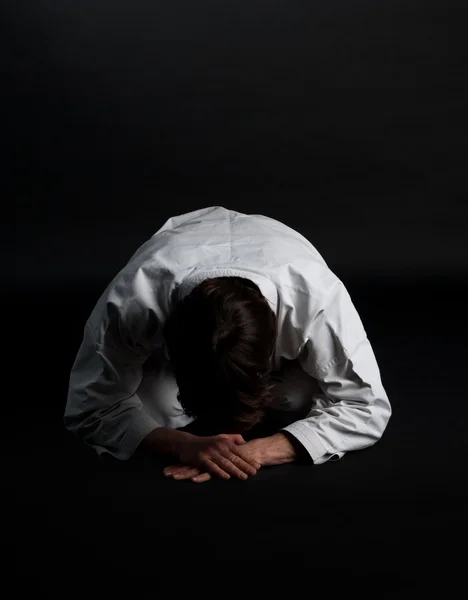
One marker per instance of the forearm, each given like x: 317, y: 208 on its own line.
x: 166, y: 440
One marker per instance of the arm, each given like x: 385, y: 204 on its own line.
x: 103, y: 408
x: 353, y: 411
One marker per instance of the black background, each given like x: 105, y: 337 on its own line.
x: 343, y: 119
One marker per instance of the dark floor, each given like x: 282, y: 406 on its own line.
x: 383, y: 522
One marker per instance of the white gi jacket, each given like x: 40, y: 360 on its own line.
x: 318, y: 326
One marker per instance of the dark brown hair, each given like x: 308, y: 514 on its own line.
x: 221, y: 340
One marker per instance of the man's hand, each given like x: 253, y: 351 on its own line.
x: 250, y: 452
x: 216, y: 455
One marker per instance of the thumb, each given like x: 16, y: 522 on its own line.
x: 235, y: 437
x: 238, y: 439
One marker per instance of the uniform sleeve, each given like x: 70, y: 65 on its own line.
x: 353, y: 411
x: 103, y: 408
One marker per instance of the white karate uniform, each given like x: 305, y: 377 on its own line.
x: 121, y: 384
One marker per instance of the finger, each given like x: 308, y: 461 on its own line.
x: 226, y: 462
x: 213, y: 468
x: 186, y: 473
x: 169, y: 470
x: 243, y: 456
x: 251, y: 461
x: 240, y: 463
x: 181, y: 471
x: 201, y: 478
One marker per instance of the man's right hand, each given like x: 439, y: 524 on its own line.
x: 218, y: 455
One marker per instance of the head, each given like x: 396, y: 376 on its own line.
x: 221, y: 340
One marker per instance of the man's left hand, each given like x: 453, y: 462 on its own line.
x: 250, y: 450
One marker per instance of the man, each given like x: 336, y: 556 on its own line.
x: 227, y: 342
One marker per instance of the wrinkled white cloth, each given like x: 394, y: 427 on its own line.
x: 121, y: 386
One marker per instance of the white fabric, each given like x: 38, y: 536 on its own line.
x: 110, y: 405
